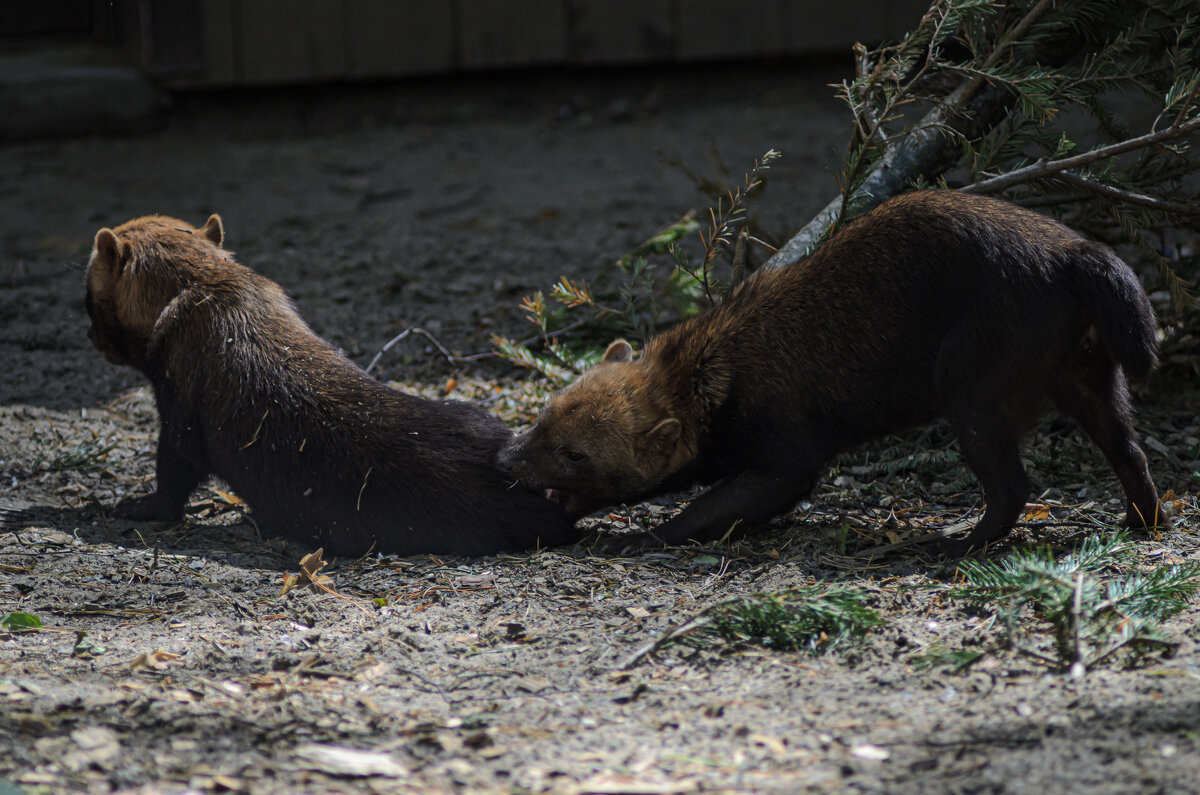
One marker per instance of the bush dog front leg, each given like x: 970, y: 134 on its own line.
x: 176, y: 476
x: 747, y: 500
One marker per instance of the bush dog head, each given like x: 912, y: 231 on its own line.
x: 134, y: 272
x: 607, y: 438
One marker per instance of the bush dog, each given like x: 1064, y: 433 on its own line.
x: 934, y: 304
x: 321, y: 452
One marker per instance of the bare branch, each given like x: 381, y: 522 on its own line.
x: 451, y: 358
x: 1045, y: 168
x: 655, y: 645
x: 1142, y: 200
x: 927, y: 151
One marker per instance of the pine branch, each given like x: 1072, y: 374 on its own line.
x: 1142, y: 200
x: 1091, y: 608
x: 1044, y: 167
x: 814, y: 618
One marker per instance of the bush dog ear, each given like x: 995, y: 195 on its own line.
x: 618, y: 351
x: 108, y: 259
x: 213, y: 229
x: 663, y: 437
x: 108, y: 247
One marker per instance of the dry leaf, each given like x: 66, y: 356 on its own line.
x: 868, y: 751
x: 310, y: 565
x: 1037, y: 513
x: 97, y: 746
x: 156, y: 660
x: 229, y: 497
x: 532, y: 683
x: 289, y: 582
x: 773, y: 744
x: 485, y: 580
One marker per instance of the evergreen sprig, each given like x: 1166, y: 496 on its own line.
x: 549, y: 364
x: 813, y: 619
x: 1089, y: 601
x: 86, y: 455
x: 939, y: 458
x: 645, y: 295
x: 724, y: 222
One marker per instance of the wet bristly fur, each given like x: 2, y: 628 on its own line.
x: 321, y: 452
x: 935, y: 304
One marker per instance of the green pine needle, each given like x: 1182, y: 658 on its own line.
x: 813, y: 619
x: 1090, y: 602
x: 87, y: 455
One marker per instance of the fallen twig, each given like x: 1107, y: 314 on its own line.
x: 450, y: 357
x: 651, y: 647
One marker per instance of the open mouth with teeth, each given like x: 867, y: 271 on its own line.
x: 574, y: 504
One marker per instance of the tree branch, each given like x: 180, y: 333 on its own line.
x: 1142, y: 200
x: 927, y: 151
x: 1045, y: 168
x: 974, y: 108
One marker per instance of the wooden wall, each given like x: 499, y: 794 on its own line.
x: 261, y: 42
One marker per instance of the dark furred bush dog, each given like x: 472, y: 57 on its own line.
x: 935, y: 304
x: 322, y: 452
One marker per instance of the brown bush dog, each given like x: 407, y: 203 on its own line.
x: 322, y: 452
x: 936, y: 304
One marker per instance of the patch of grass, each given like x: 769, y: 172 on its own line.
x: 1090, y: 603
x: 20, y: 622
x: 814, y: 619
x: 92, y: 454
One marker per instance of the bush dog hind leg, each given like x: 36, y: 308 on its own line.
x: 1099, y: 401
x: 988, y: 431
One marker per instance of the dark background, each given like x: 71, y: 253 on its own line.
x: 258, y: 42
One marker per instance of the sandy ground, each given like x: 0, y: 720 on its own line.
x: 169, y: 661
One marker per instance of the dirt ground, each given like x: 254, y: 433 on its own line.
x: 169, y: 661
